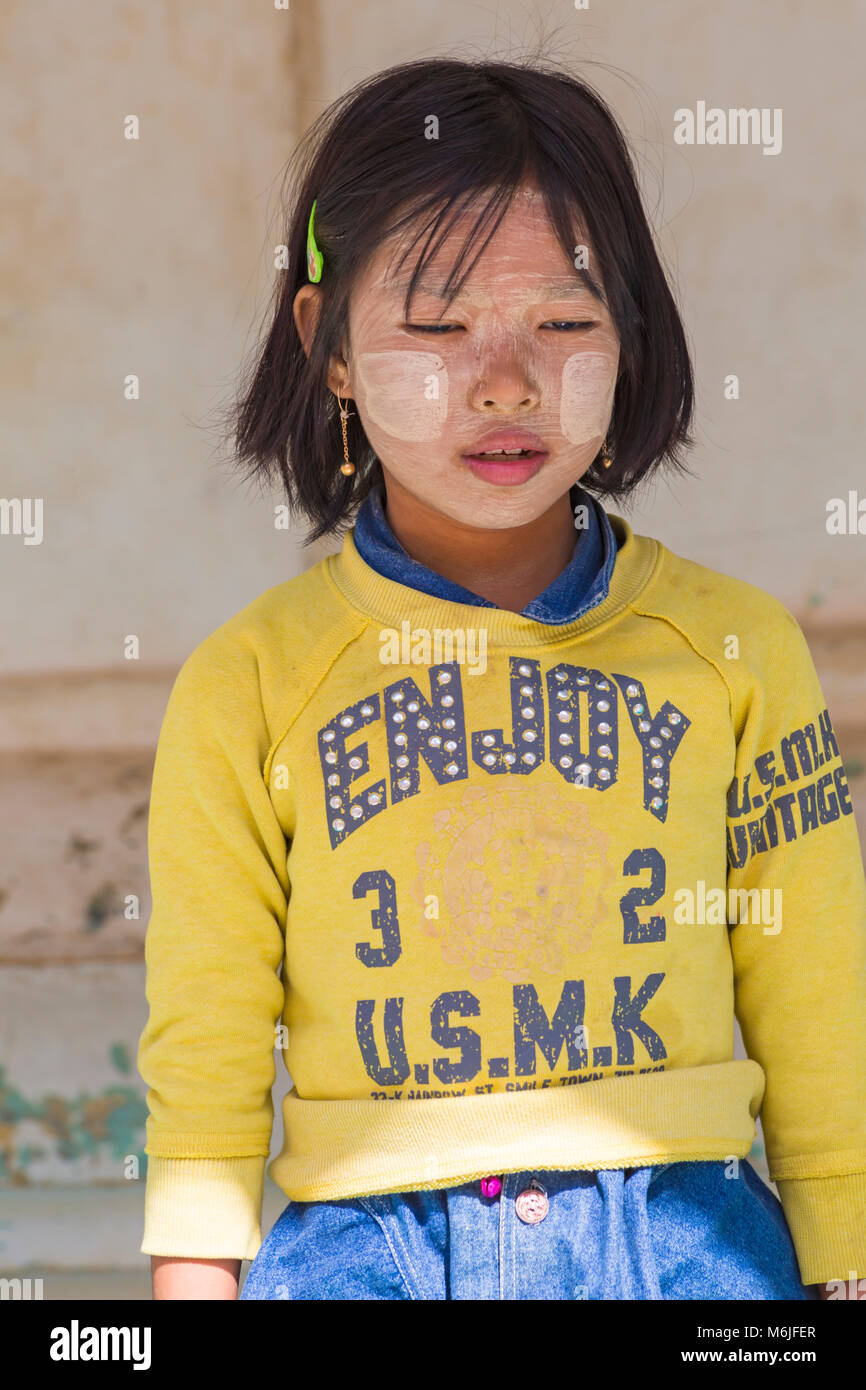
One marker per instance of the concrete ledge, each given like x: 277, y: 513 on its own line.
x: 85, y: 1234
x: 75, y: 711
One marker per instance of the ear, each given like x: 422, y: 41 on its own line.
x: 306, y: 310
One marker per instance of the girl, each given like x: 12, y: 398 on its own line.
x: 492, y: 820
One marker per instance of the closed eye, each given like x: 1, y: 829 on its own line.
x: 432, y: 327
x: 558, y: 325
x: 569, y: 325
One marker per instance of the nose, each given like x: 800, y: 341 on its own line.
x: 505, y: 383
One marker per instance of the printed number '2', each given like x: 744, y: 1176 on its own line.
x: 383, y: 918
x: 633, y: 929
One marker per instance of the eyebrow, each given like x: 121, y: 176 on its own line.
x: 553, y: 289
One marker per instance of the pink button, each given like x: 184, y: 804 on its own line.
x: 491, y: 1187
x: 531, y: 1204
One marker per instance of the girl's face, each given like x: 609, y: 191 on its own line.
x: 525, y: 358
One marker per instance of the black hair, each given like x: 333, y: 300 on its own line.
x: 372, y: 170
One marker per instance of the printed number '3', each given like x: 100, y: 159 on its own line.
x: 383, y: 918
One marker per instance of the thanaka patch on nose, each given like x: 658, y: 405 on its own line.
x: 404, y: 393
x: 588, y: 384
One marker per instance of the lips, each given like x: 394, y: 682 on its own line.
x: 506, y: 457
x: 506, y: 445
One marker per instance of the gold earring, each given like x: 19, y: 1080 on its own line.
x: 605, y: 456
x: 348, y: 467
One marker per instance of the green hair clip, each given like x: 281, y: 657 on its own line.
x: 314, y: 255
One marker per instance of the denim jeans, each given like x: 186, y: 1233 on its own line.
x: 675, y: 1231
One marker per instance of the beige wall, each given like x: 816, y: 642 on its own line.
x: 154, y: 257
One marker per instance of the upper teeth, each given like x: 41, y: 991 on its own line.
x: 505, y: 453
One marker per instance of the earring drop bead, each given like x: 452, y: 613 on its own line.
x: 348, y: 466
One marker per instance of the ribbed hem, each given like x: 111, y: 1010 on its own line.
x: 349, y: 1148
x: 390, y: 604
x: 827, y: 1221
x: 204, y: 1208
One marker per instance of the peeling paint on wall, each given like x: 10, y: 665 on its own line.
x: 110, y: 1122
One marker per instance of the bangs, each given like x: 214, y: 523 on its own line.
x: 434, y: 220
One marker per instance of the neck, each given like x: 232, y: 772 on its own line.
x: 508, y: 567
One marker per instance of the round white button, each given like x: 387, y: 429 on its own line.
x: 531, y: 1204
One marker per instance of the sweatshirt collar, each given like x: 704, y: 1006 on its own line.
x: 582, y: 585
x: 390, y: 604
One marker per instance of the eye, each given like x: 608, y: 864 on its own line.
x: 432, y: 327
x: 569, y: 325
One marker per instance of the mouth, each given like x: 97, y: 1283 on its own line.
x: 506, y: 456
x: 500, y: 454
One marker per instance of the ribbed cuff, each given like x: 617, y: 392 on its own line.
x: 204, y: 1208
x: 827, y: 1221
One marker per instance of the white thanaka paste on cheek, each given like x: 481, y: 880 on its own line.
x: 588, y: 384
x: 405, y: 394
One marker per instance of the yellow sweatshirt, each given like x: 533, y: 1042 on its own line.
x: 494, y: 890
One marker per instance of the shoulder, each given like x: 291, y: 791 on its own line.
x: 274, y: 648
x: 747, y: 636
x: 711, y: 607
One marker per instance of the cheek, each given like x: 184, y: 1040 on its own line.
x: 404, y: 393
x: 588, y: 383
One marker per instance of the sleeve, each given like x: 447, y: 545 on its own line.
x: 213, y: 951
x: 797, y: 930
